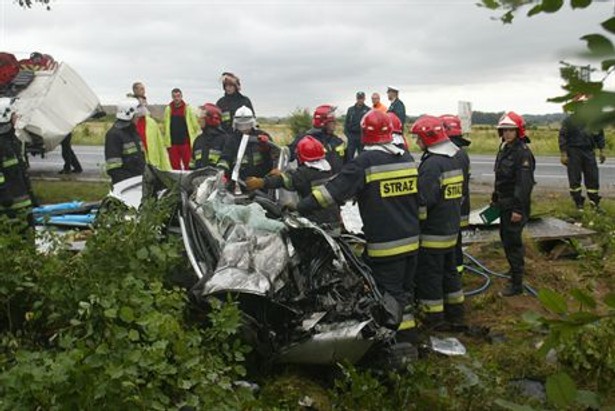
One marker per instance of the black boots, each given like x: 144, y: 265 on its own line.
x: 512, y: 290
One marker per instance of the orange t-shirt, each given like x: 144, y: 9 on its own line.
x: 380, y: 107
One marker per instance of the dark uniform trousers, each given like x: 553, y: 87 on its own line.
x: 582, y: 161
x: 510, y: 234
x: 389, y: 273
x: 438, y: 286
x: 353, y: 145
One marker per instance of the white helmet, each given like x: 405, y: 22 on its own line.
x: 244, y: 119
x: 6, y: 110
x: 127, y: 109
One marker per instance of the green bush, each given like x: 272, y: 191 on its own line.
x: 100, y: 330
x: 591, y: 352
x: 299, y: 121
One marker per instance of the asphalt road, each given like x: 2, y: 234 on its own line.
x: 550, y: 174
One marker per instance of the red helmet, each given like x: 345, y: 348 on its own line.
x: 309, y: 149
x: 430, y: 130
x: 212, y: 114
x: 512, y: 120
x: 376, y: 128
x: 452, y: 125
x: 397, y: 127
x: 323, y: 114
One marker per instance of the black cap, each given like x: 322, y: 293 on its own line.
x: 360, y: 94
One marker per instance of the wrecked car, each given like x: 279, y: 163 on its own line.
x: 305, y: 295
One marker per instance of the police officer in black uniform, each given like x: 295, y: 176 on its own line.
x: 514, y: 180
x: 232, y: 100
x: 397, y: 106
x: 578, y: 146
x: 438, y: 284
x: 323, y: 130
x: 383, y: 178
x: 15, y: 196
x: 124, y: 155
x: 209, y: 145
x: 313, y: 171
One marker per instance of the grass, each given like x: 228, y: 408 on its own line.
x: 484, y: 138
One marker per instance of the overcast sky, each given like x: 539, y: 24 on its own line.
x: 301, y: 53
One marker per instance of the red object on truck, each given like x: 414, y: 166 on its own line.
x: 9, y: 67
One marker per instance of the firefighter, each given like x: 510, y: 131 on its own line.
x: 208, y: 146
x: 398, y: 131
x: 578, y: 146
x: 257, y: 160
x: 15, y: 196
x: 323, y: 128
x: 452, y: 126
x: 383, y: 178
x: 514, y: 180
x: 124, y: 156
x: 232, y: 100
x: 313, y: 171
x: 438, y: 284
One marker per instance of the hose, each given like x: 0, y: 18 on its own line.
x: 486, y: 270
x: 482, y: 288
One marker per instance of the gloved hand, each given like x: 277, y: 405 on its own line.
x: 602, y: 157
x: 274, y: 172
x: 564, y: 159
x: 494, y: 198
x: 254, y: 183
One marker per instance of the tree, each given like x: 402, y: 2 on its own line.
x: 29, y: 3
x: 599, y: 111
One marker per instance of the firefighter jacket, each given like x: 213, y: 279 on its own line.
x: 124, y: 156
x: 514, y: 177
x: 384, y: 182
x: 440, y: 193
x: 207, y: 148
x: 14, y: 183
x: 574, y: 134
x: 352, y: 123
x: 335, y: 147
x: 257, y: 160
x: 464, y: 161
x: 192, y: 123
x: 229, y: 104
x: 156, y: 153
x: 398, y: 107
x: 303, y: 180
